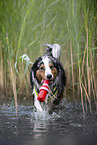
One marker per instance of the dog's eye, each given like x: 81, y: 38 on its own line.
x: 42, y: 68
x: 51, y: 67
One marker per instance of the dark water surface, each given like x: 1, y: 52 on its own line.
x: 65, y: 126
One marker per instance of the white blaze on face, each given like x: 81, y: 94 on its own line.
x: 47, y: 68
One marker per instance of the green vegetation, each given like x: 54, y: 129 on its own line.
x: 26, y: 25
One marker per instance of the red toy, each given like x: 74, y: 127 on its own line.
x: 43, y: 91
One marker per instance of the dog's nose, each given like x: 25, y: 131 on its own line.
x: 49, y: 76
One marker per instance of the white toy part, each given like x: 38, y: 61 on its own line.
x: 56, y: 51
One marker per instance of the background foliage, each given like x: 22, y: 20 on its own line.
x: 26, y: 25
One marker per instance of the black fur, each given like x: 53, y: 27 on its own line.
x: 60, y: 80
x: 34, y: 68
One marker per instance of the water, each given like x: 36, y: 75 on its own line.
x: 65, y: 125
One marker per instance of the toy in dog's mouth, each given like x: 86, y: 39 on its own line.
x: 43, y: 91
x: 50, y: 81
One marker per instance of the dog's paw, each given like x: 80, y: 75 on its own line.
x: 51, y: 109
x: 56, y: 102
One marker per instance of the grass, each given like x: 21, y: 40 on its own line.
x: 26, y: 26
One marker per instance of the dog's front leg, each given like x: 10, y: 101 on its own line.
x: 36, y: 102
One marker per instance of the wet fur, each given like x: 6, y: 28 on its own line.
x: 59, y: 78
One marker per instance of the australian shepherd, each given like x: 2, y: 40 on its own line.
x: 49, y: 67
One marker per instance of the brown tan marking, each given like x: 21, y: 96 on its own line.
x: 54, y: 70
x: 40, y: 73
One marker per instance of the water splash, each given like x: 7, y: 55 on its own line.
x: 45, y: 116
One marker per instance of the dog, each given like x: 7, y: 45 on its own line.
x: 48, y: 67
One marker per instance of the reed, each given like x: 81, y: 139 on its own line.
x: 2, y: 79
x: 26, y: 25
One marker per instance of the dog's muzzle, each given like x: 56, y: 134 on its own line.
x: 49, y: 76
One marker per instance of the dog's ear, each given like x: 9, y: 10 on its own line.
x: 62, y: 75
x: 34, y: 68
x: 62, y: 79
x: 61, y: 71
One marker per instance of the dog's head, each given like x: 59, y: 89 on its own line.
x: 49, y: 68
x: 45, y: 68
